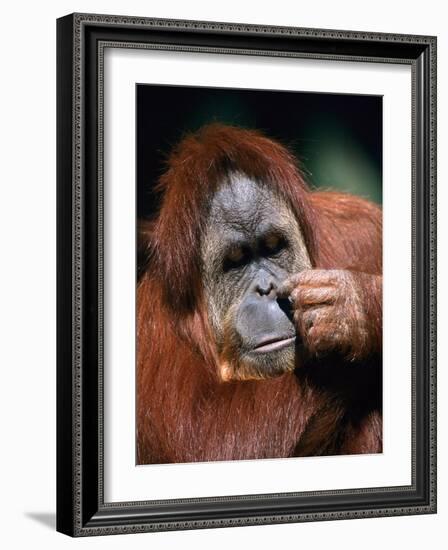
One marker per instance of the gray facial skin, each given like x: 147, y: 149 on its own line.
x: 252, y: 243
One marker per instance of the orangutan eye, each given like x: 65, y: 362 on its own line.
x: 236, y: 256
x: 273, y: 243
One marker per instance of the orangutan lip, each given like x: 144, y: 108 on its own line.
x: 274, y: 344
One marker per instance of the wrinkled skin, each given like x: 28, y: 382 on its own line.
x: 251, y: 246
x: 268, y: 309
x: 331, y: 312
x: 259, y: 310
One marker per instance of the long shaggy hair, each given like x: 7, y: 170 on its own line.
x: 184, y: 413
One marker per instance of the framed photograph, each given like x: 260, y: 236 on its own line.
x: 246, y: 274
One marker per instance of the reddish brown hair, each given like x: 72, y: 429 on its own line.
x: 183, y: 412
x: 195, y: 169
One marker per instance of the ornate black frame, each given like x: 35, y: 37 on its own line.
x: 81, y: 510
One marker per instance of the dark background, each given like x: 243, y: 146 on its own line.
x: 337, y: 138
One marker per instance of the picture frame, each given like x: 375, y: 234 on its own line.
x: 81, y: 506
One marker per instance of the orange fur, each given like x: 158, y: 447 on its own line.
x: 185, y: 413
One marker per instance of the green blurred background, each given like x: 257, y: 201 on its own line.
x: 337, y: 138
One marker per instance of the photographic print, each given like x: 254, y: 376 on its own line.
x: 230, y: 199
x: 259, y: 261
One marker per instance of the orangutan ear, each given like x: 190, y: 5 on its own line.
x: 144, y: 233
